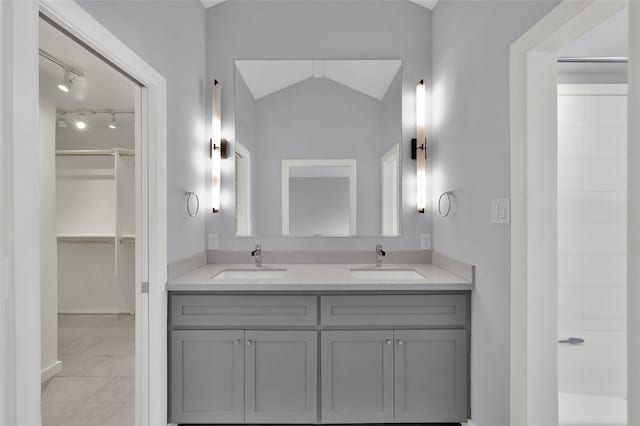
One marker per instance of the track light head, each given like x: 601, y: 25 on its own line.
x: 112, y: 124
x: 61, y: 122
x: 67, y: 81
x: 80, y: 122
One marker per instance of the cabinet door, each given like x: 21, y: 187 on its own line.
x: 207, y: 376
x: 281, y: 376
x: 431, y: 376
x: 357, y: 376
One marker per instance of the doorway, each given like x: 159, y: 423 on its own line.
x: 87, y: 233
x: 21, y: 335
x: 535, y: 232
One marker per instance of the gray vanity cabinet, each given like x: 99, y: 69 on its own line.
x: 281, y: 376
x: 323, y: 358
x: 207, y: 376
x: 430, y: 375
x: 357, y: 376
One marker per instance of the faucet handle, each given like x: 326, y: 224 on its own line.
x: 380, y: 251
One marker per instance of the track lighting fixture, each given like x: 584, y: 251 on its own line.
x: 112, y: 124
x: 67, y: 81
x: 70, y: 72
x: 79, y: 117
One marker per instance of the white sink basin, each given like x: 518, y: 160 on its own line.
x: 386, y: 274
x: 250, y: 274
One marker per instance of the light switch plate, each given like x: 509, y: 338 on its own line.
x: 501, y: 211
x: 212, y: 243
x: 425, y: 241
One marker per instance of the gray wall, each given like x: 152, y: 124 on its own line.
x: 320, y: 30
x: 392, y: 118
x: 471, y: 104
x: 317, y: 119
x: 319, y: 206
x: 169, y: 36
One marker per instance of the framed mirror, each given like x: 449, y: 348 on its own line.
x: 318, y: 147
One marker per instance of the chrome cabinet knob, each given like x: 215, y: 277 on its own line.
x: 388, y: 341
x: 237, y: 342
x: 400, y: 342
x: 249, y: 342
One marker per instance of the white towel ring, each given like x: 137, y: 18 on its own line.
x: 190, y: 211
x: 445, y: 213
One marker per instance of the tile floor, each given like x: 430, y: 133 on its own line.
x: 96, y: 385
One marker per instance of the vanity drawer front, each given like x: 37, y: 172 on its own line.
x: 212, y: 310
x: 418, y: 310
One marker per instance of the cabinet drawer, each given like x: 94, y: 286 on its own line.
x: 418, y: 310
x: 211, y: 310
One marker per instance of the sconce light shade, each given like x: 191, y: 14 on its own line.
x: 217, y: 146
x: 421, y: 148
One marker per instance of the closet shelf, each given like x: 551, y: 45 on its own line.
x: 94, y: 152
x: 95, y: 238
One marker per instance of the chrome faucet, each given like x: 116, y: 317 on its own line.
x: 379, y: 255
x: 257, y: 254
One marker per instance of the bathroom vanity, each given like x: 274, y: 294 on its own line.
x: 309, y: 344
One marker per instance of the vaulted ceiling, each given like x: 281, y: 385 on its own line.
x: 371, y: 77
x: 429, y: 4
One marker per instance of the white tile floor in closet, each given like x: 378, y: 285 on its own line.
x: 96, y: 385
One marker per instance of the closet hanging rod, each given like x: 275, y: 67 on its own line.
x: 94, y: 152
x: 593, y: 60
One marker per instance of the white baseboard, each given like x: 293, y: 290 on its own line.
x: 50, y: 371
x: 469, y: 423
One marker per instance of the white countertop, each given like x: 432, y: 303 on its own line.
x: 319, y: 277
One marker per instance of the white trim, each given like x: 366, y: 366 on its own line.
x: 6, y: 321
x: 246, y: 154
x: 533, y: 90
x: 429, y: 4
x: 633, y: 226
x: 574, y: 89
x: 353, y: 193
x: 51, y: 371
x: 24, y: 206
x: 151, y: 388
x: 392, y: 154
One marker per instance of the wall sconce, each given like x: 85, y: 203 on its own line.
x: 419, y: 150
x: 217, y: 146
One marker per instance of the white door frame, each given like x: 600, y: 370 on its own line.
x: 20, y: 84
x: 533, y: 92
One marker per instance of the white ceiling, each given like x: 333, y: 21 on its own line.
x: 102, y: 87
x: 429, y: 4
x: 371, y: 77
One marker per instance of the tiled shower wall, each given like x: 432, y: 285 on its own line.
x: 592, y: 207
